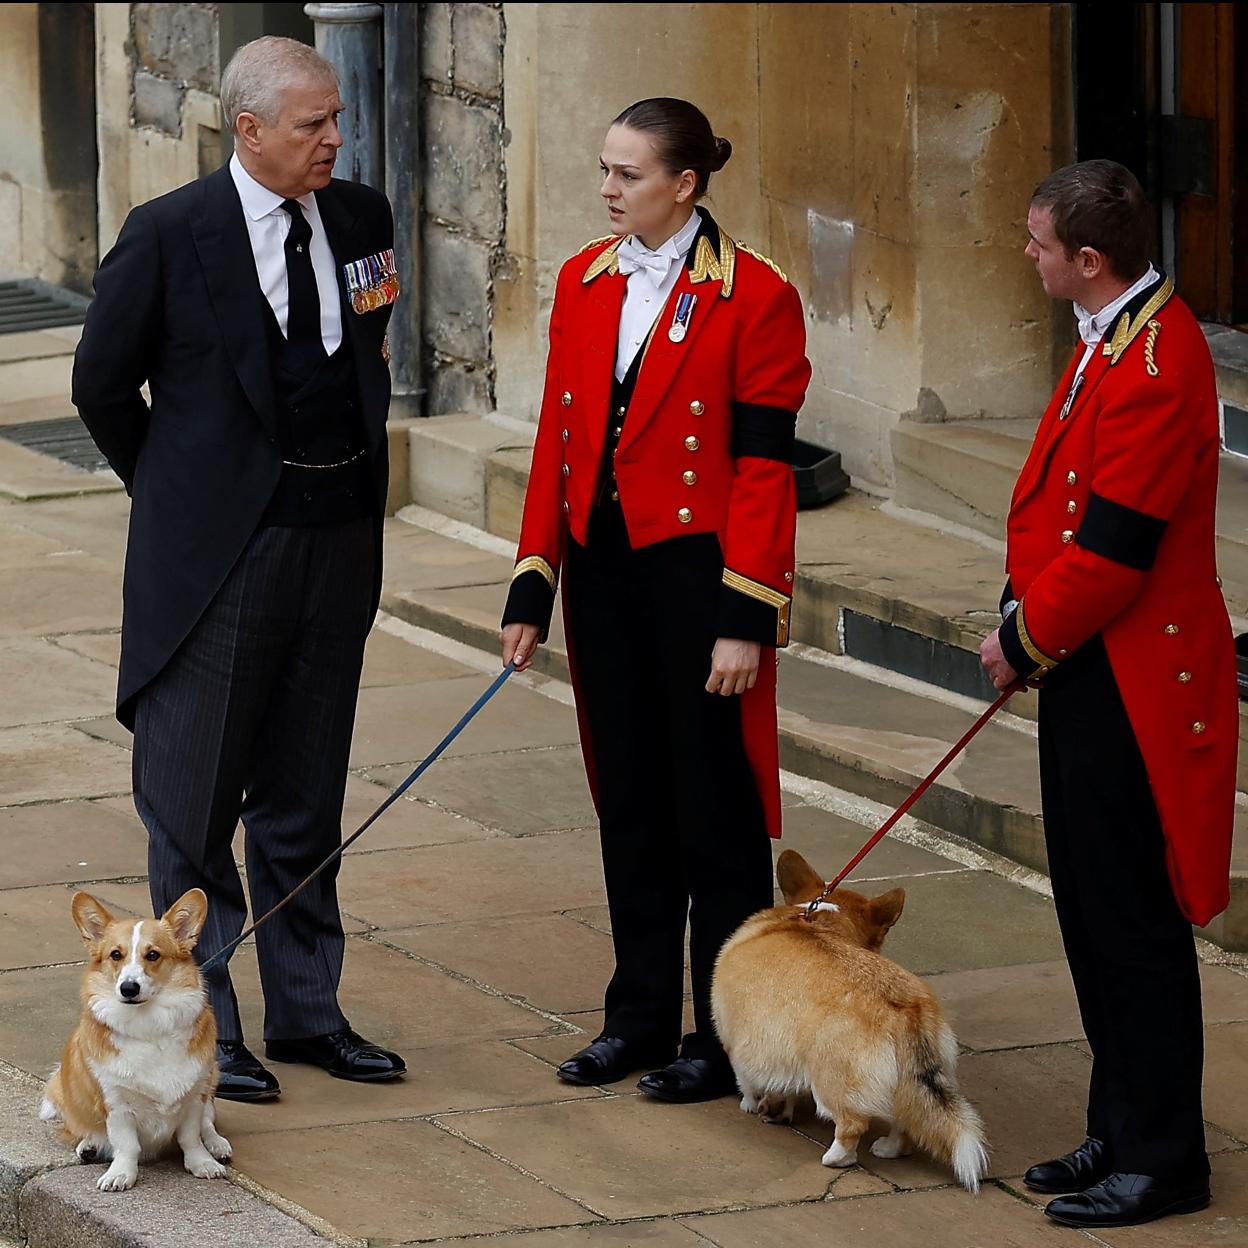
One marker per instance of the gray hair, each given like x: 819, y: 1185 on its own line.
x: 260, y: 72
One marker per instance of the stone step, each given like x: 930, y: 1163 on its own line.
x: 964, y: 472
x: 841, y: 720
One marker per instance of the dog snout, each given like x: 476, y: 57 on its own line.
x: 129, y: 988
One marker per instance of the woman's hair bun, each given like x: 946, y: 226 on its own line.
x: 723, y: 149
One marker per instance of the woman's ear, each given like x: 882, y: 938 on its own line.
x: 686, y: 185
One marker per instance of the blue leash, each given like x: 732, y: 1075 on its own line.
x: 424, y: 766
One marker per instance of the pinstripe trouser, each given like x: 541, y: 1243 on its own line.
x: 252, y: 717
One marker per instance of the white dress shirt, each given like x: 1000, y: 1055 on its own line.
x: 268, y: 223
x: 1094, y: 326
x: 652, y: 276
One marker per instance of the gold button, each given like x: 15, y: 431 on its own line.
x: 684, y: 515
x: 696, y: 407
x: 1198, y: 727
x: 1071, y: 479
x: 567, y: 398
x: 1185, y: 678
x: 788, y: 576
x: 619, y: 411
x: 1171, y: 630
x: 565, y: 435
x: 691, y: 443
x: 1063, y: 653
x: 567, y: 472
x: 1072, y: 506
x: 619, y: 429
x: 1068, y: 536
x: 1217, y: 580
x: 689, y: 477
x: 565, y: 505
x: 615, y: 496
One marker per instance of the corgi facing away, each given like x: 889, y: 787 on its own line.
x: 139, y: 1069
x: 813, y: 1006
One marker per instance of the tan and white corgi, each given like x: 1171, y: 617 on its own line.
x: 813, y: 1006
x: 139, y: 1069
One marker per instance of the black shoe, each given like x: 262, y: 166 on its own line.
x: 607, y: 1060
x: 242, y: 1077
x: 344, y: 1054
x: 1088, y: 1164
x: 1128, y: 1200
x: 690, y: 1079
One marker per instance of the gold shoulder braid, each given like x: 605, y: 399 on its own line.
x: 1150, y: 344
x: 767, y: 260
x: 1128, y: 330
x: 596, y: 242
x: 605, y: 261
x: 707, y: 266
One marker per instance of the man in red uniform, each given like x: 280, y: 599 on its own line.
x: 1114, y: 609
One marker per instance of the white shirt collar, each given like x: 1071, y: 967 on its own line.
x: 258, y: 201
x: 1094, y: 325
x: 676, y: 247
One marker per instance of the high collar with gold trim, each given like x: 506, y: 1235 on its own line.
x: 712, y: 257
x: 1136, y: 317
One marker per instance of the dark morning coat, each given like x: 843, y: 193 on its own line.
x: 178, y: 305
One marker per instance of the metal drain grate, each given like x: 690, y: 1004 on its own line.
x: 32, y: 304
x: 65, y: 439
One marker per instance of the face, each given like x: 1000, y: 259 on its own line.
x: 295, y: 154
x: 1061, y: 277
x: 643, y: 197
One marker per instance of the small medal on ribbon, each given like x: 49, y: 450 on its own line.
x: 680, y: 319
x: 372, y: 281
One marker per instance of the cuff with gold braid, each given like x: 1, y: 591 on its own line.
x: 531, y: 598
x: 752, y: 611
x: 1022, y: 654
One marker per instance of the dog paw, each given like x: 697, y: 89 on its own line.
x: 748, y: 1104
x: 219, y: 1147
x: 205, y: 1167
x: 840, y: 1156
x: 117, y: 1178
x: 889, y: 1146
x: 775, y: 1110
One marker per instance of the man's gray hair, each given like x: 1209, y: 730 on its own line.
x: 260, y: 72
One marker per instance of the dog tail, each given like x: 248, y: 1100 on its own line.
x: 932, y: 1111
x: 49, y: 1110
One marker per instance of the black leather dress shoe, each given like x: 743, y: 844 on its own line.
x: 342, y: 1053
x: 689, y: 1079
x: 607, y: 1060
x: 242, y: 1077
x: 1073, y: 1172
x: 1128, y: 1200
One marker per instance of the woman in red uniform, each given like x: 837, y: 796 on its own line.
x: 661, y: 487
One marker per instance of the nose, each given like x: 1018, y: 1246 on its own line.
x: 129, y: 988
x: 335, y: 135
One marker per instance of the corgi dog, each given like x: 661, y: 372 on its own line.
x: 811, y: 1005
x: 140, y: 1068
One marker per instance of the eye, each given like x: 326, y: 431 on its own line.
x: 115, y: 955
x: 152, y: 955
x: 629, y: 177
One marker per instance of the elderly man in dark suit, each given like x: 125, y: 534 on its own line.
x: 254, y: 304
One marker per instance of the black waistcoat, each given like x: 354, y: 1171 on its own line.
x: 320, y: 435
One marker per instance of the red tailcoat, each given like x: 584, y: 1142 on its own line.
x: 705, y: 447
x: 1111, y: 530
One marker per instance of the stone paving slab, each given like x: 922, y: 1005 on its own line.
x: 659, y: 1233
x: 44, y: 683
x: 28, y: 476
x: 78, y: 593
x: 54, y: 762
x: 104, y: 647
x: 59, y: 842
x: 29, y: 1148
x: 37, y: 344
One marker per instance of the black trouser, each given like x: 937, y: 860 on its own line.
x: 1131, y: 953
x: 253, y: 716
x: 683, y: 830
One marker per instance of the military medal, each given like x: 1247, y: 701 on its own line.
x: 680, y: 321
x: 372, y: 281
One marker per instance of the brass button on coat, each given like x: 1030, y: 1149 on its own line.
x: 684, y: 515
x: 1171, y: 630
x: 1185, y: 678
x: 567, y: 472
x: 691, y: 443
x: 1072, y: 506
x: 1068, y: 536
x: 565, y: 505
x: 619, y: 429
x: 567, y: 398
x: 619, y: 411
x: 696, y: 407
x: 565, y: 435
x: 1071, y: 479
x: 1198, y: 727
x: 615, y: 496
x: 788, y: 576
x: 689, y: 477
x: 1063, y: 652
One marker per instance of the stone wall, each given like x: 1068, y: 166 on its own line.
x: 464, y: 208
x: 883, y: 155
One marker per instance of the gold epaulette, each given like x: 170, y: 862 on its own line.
x: 605, y: 261
x: 767, y: 260
x: 597, y: 242
x: 1130, y: 328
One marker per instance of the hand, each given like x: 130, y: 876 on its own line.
x: 519, y: 644
x: 734, y: 666
x: 995, y: 663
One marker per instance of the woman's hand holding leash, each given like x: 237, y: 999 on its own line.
x: 519, y: 644
x: 734, y: 666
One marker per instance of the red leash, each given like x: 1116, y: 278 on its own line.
x: 924, y: 785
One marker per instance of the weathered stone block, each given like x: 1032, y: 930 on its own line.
x: 177, y: 41
x: 158, y: 103
x: 459, y: 388
x: 456, y: 289
x: 435, y: 42
x: 464, y: 160
x: 477, y: 45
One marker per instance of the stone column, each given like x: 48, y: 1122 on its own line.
x: 349, y: 36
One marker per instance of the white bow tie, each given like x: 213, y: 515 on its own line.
x: 1089, y: 331
x: 634, y: 258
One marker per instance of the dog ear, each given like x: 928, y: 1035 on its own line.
x: 185, y: 918
x: 886, y: 909
x: 798, y: 880
x: 90, y: 916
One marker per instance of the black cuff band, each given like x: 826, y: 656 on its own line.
x: 1120, y: 533
x: 764, y: 432
x: 530, y: 601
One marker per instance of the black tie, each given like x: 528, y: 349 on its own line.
x: 303, y: 314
